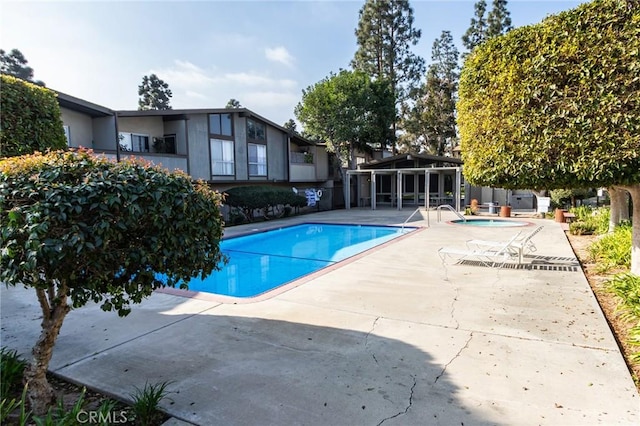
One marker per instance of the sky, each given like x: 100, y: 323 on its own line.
x: 262, y: 53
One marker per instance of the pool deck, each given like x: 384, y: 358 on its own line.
x: 391, y: 337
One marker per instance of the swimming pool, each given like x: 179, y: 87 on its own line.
x: 266, y: 260
x: 490, y: 222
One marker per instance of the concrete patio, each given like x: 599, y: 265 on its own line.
x: 392, y: 337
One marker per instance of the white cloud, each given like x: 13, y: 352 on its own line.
x: 279, y: 54
x: 185, y: 75
x: 269, y: 100
x: 196, y: 87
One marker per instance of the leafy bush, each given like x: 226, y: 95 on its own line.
x: 263, y: 198
x: 582, y: 227
x: 77, y: 227
x: 627, y: 288
x: 11, y: 369
x: 558, y: 98
x: 564, y: 197
x: 30, y: 118
x: 590, y: 220
x: 613, y: 250
x: 583, y: 213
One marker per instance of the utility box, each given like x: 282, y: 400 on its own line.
x: 543, y: 204
x: 521, y: 201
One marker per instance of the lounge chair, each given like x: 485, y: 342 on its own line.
x: 489, y: 255
x: 520, y: 246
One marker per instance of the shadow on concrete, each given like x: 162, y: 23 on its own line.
x: 240, y: 370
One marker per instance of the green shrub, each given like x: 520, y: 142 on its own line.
x: 30, y: 118
x: 612, y: 250
x: 11, y: 370
x: 558, y: 98
x: 582, y: 227
x: 627, y: 288
x: 78, y: 228
x: 145, y: 403
x: 263, y: 198
x: 601, y: 218
x: 583, y: 213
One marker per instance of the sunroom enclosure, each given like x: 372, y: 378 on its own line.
x: 427, y: 186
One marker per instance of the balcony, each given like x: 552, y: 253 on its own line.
x: 167, y: 161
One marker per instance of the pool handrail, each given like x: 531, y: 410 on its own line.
x: 409, y: 218
x: 448, y: 207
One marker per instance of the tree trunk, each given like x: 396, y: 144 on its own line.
x: 619, y: 206
x: 634, y: 190
x: 54, y: 309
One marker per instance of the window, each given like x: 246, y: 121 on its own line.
x: 256, y: 131
x: 134, y: 142
x: 165, y: 145
x: 222, y: 157
x: 257, y: 160
x: 67, y: 134
x: 220, y: 124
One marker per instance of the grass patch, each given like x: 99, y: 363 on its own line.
x: 613, y: 250
x: 590, y: 221
x: 627, y: 288
x: 11, y: 369
x: 145, y: 403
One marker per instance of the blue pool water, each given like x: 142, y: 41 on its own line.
x: 490, y: 222
x: 263, y: 261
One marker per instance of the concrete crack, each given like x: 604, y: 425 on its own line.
x: 453, y: 308
x: 444, y: 369
x: 366, y: 338
x: 406, y: 410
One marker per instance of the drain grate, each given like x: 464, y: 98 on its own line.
x: 524, y: 266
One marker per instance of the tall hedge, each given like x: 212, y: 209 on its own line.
x: 557, y: 104
x: 261, y: 197
x: 30, y: 118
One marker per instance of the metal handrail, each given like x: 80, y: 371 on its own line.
x: 409, y: 218
x: 447, y: 206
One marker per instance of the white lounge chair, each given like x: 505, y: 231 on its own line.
x: 490, y: 255
x: 520, y: 246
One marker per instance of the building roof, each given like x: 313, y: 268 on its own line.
x: 243, y: 112
x: 95, y: 110
x: 80, y: 105
x: 389, y: 161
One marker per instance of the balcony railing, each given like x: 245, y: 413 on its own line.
x: 301, y: 157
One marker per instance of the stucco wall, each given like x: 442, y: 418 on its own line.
x: 199, y: 153
x: 104, y: 133
x: 321, y: 160
x: 80, y: 128
x: 277, y: 149
x: 151, y: 126
x: 241, y: 155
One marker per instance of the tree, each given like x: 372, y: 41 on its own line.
x: 77, y: 228
x: 233, y: 104
x: 477, y: 32
x: 499, y: 19
x: 556, y: 105
x: 291, y: 126
x: 350, y: 112
x: 30, y: 118
x: 154, y: 94
x: 481, y: 29
x: 14, y: 63
x: 385, y: 35
x: 433, y: 120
